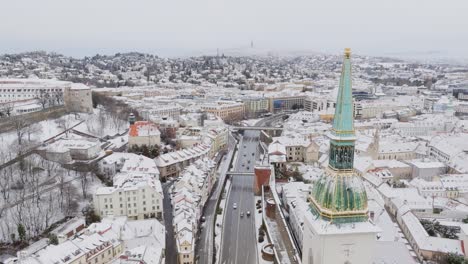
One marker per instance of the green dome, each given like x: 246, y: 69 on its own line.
x: 339, y: 198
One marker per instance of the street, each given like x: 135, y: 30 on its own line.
x: 171, y: 248
x: 239, y: 244
x: 205, y: 244
x: 239, y: 238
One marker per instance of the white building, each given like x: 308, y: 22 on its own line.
x: 190, y: 193
x: 427, y: 169
x: 294, y: 195
x: 136, y: 195
x: 172, y: 163
x: 335, y: 243
x: 144, y: 133
x: 142, y: 240
x: 159, y: 111
x: 65, y: 150
x: 76, y: 96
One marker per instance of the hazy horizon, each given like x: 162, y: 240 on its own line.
x: 184, y: 28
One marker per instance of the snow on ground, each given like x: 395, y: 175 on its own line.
x: 37, y: 132
x: 102, y: 124
x: 220, y: 220
x: 39, y: 193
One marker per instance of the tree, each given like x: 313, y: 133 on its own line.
x: 53, y: 239
x: 6, y: 109
x: 33, y: 129
x: 453, y: 258
x: 21, y: 232
x: 90, y: 215
x: 84, y: 182
x: 20, y: 125
x: 43, y: 98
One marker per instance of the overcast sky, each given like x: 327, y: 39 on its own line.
x: 178, y: 28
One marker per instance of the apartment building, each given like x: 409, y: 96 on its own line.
x: 172, y: 163
x: 144, y: 133
x: 226, y: 110
x: 281, y: 103
x: 255, y: 106
x: 135, y: 195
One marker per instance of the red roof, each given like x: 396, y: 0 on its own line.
x: 138, y: 124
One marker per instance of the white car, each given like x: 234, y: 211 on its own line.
x: 234, y: 206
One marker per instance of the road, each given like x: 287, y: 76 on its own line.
x: 171, y: 248
x: 239, y: 238
x: 205, y: 244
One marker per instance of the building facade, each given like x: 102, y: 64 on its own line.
x: 144, y: 133
x: 135, y: 195
x: 226, y: 110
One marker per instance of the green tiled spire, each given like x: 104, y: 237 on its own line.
x: 343, y: 121
x: 339, y: 195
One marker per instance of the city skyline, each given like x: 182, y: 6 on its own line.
x: 419, y: 28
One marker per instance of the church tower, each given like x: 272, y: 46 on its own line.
x: 337, y: 227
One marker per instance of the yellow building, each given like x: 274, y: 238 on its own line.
x: 226, y: 110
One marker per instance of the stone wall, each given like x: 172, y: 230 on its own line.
x: 6, y: 124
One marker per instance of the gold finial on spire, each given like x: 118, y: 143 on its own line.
x: 347, y: 52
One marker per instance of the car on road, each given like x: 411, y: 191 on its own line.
x: 234, y: 206
x: 248, y: 213
x: 203, y: 219
x: 253, y: 154
x: 248, y: 168
x: 248, y: 161
x: 242, y: 214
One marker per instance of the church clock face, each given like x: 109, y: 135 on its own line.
x: 347, y: 250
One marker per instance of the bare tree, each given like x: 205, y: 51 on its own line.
x: 33, y: 129
x: 6, y: 109
x: 20, y: 125
x: 58, y: 97
x: 43, y: 98
x: 84, y: 182
x: 66, y: 123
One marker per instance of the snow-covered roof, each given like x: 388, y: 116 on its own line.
x: 181, y: 155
